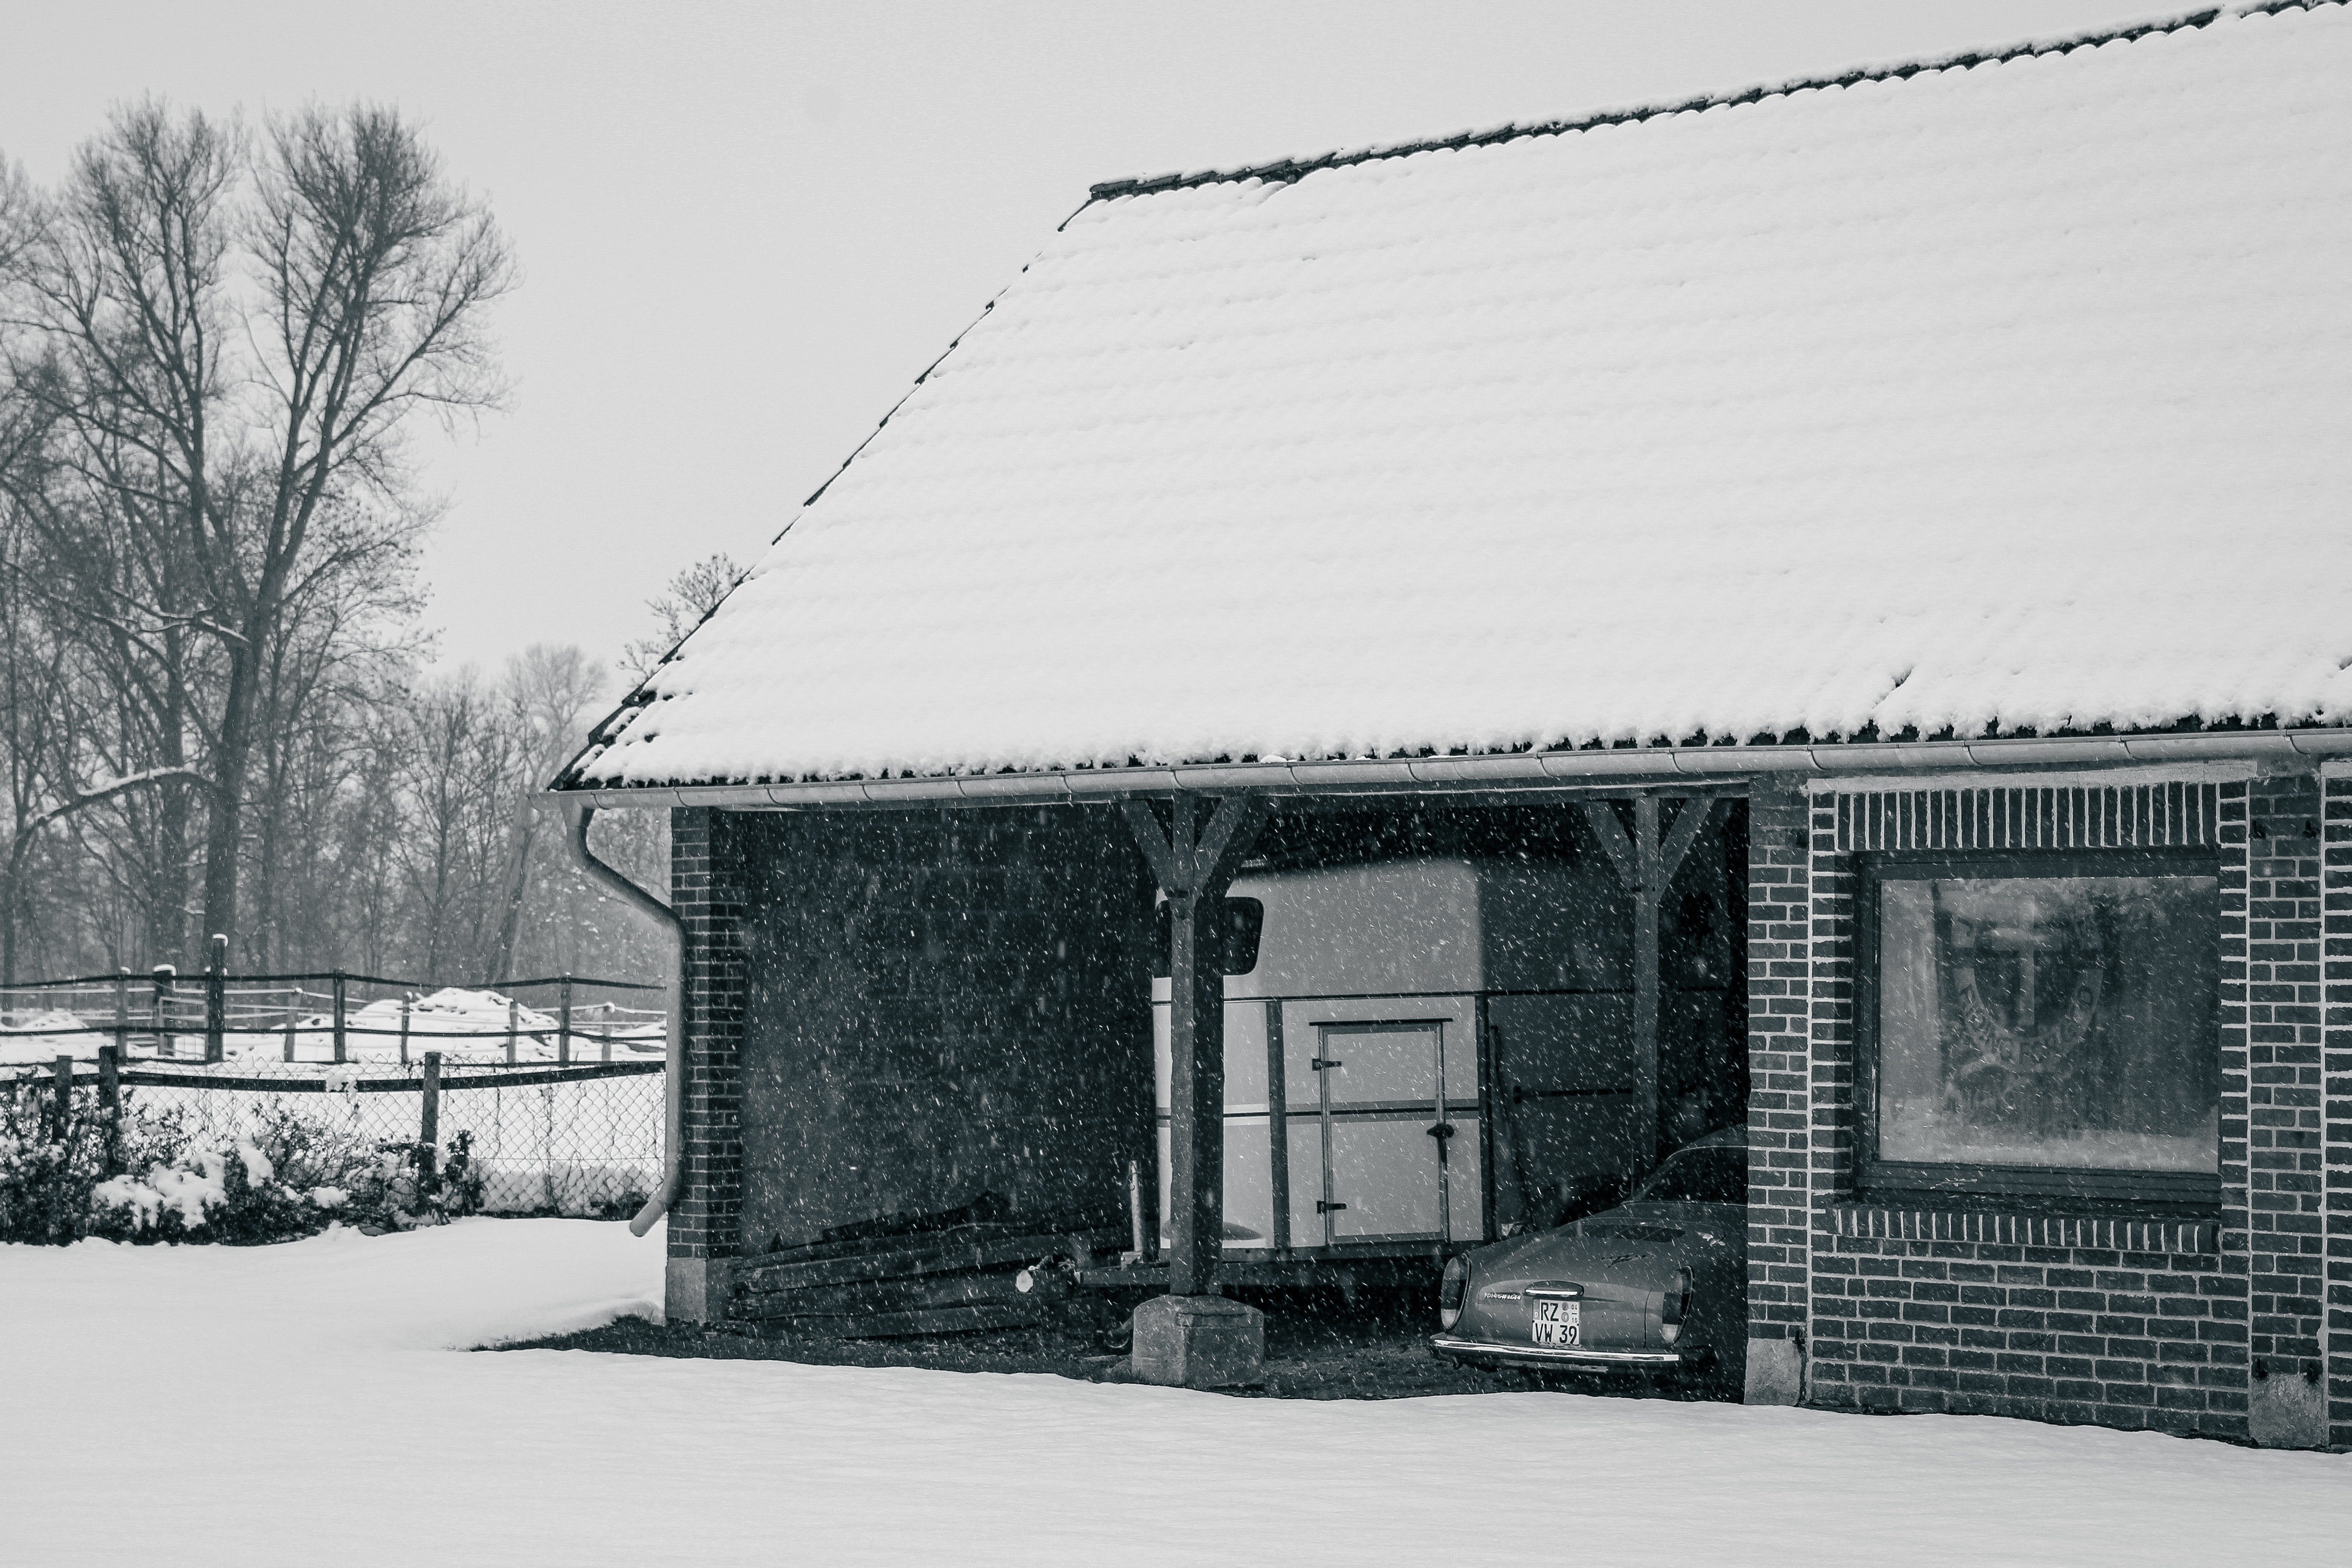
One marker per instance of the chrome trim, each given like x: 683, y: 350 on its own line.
x: 1541, y: 1355
x: 1553, y: 1291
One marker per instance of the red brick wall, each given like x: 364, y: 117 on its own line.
x: 2060, y: 1318
x: 706, y: 889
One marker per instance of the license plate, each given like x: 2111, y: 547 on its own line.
x: 1558, y: 1324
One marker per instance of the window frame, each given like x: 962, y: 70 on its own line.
x: 1879, y: 1179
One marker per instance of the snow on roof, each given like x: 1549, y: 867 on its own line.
x: 1975, y: 397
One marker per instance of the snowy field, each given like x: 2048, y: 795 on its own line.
x: 300, y: 1403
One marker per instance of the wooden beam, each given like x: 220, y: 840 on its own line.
x: 1645, y: 865
x: 1601, y: 816
x: 1687, y: 823
x: 1194, y: 864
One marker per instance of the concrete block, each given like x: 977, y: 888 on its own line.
x: 1776, y: 1372
x: 2287, y: 1410
x: 697, y: 1290
x: 1199, y: 1341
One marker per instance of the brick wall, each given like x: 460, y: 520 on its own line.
x: 706, y: 878
x: 2059, y: 1318
x: 942, y: 1004
x: 2337, y: 1107
x: 2283, y: 1175
x: 1778, y: 1088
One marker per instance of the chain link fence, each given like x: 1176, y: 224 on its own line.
x: 582, y: 1140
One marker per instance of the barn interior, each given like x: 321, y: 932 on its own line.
x: 950, y: 1112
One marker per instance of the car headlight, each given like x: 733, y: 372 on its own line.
x: 1453, y: 1289
x: 1675, y: 1306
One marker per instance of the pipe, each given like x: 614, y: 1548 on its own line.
x: 577, y: 813
x: 1621, y: 767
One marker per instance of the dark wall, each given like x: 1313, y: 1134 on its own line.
x: 942, y: 1005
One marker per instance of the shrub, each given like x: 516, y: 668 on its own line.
x: 48, y: 1172
x: 227, y: 1193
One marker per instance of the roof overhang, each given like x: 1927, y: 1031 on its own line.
x: 1625, y: 770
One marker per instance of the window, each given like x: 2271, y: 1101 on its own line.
x: 1716, y: 1175
x: 1244, y: 921
x: 2040, y: 1024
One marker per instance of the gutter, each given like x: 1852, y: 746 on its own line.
x: 577, y: 811
x: 1658, y: 767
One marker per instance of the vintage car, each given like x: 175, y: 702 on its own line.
x: 1658, y: 1284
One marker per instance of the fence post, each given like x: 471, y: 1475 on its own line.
x: 563, y: 1024
x: 406, y: 997
x: 293, y: 1017
x: 216, y: 998
x: 122, y: 1010
x: 514, y: 1016
x: 339, y: 1015
x: 165, y: 1044
x: 109, y: 1108
x: 64, y: 1070
x: 428, y: 1127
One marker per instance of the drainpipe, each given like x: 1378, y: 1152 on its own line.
x: 576, y: 816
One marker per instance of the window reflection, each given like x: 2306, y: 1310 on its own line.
x: 2049, y: 1021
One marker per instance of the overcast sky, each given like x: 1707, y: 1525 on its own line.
x: 745, y: 230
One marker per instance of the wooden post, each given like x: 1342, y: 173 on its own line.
x: 123, y: 1011
x: 109, y: 1108
x: 1490, y: 1090
x: 339, y: 1015
x: 63, y: 1070
x: 1645, y: 865
x: 1194, y: 867
x: 1278, y: 1130
x: 407, y: 999
x: 165, y: 1045
x: 428, y: 1126
x: 1648, y: 895
x: 563, y: 1023
x: 293, y: 1017
x: 216, y: 1001
x: 514, y: 1016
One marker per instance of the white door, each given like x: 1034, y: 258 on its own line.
x: 1384, y: 1167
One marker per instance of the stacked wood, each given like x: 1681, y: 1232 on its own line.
x: 964, y: 1279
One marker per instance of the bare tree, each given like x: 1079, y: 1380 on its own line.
x: 549, y: 693
x: 239, y: 339
x: 678, y: 609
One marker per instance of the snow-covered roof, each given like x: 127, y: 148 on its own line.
x: 1964, y: 397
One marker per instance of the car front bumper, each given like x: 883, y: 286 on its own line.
x: 1487, y: 1352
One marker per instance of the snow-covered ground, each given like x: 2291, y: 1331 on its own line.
x: 300, y: 1403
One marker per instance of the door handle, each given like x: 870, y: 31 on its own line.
x: 1444, y: 1132
x: 1323, y: 1207
x: 1319, y: 1064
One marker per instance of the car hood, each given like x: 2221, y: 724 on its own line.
x: 1677, y: 1235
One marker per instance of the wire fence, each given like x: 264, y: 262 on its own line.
x: 329, y: 1016
x: 585, y: 1139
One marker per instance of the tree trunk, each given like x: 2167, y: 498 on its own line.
x: 223, y: 838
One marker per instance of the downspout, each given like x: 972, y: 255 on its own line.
x: 576, y: 815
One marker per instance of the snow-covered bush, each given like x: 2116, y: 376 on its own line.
x: 389, y: 1192
x: 47, y: 1172
x: 291, y: 1174
x: 210, y: 1194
